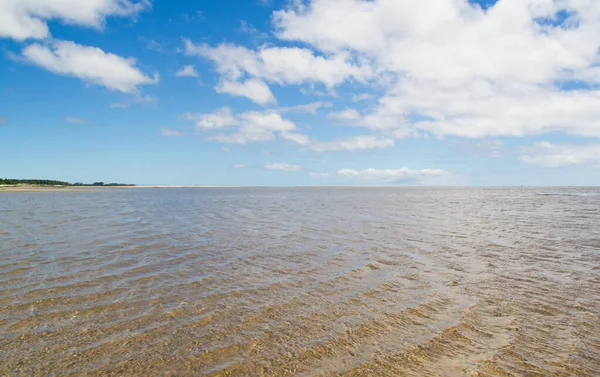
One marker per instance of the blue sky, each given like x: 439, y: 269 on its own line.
x: 314, y: 92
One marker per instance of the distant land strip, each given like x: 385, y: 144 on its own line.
x: 53, y: 183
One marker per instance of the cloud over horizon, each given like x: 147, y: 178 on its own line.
x: 364, y: 91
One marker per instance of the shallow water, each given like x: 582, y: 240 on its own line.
x: 306, y: 282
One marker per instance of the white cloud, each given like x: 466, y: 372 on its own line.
x: 449, y: 67
x: 242, y: 128
x: 239, y: 66
x: 239, y: 166
x: 320, y: 175
x: 187, y: 71
x: 221, y: 118
x: 556, y: 155
x: 346, y: 115
x: 361, y: 97
x: 296, y: 137
x: 22, y: 19
x: 310, y: 108
x: 254, y: 126
x: 362, y: 142
x: 392, y: 175
x: 76, y: 120
x: 282, y: 166
x: 281, y: 65
x: 170, y: 132
x: 254, y: 89
x: 89, y: 64
x: 480, y: 109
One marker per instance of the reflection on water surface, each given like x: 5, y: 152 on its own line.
x: 306, y: 282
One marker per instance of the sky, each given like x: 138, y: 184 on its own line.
x: 301, y: 92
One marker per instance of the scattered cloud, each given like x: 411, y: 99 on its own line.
x: 225, y: 126
x: 239, y: 166
x: 119, y: 105
x: 153, y: 45
x: 254, y: 89
x: 389, y: 176
x: 310, y: 108
x: 247, y: 28
x: 241, y: 128
x: 361, y: 97
x: 23, y: 19
x: 282, y: 166
x: 313, y: 91
x: 346, y: 115
x: 557, y: 155
x: 363, y: 142
x: 76, y: 120
x: 277, y: 65
x: 393, y: 175
x: 187, y: 71
x: 459, y: 70
x: 296, y: 138
x: 89, y: 64
x: 171, y: 132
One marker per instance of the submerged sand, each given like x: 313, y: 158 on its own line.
x: 301, y: 282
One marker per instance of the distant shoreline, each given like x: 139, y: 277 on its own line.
x: 44, y: 188
x: 73, y: 188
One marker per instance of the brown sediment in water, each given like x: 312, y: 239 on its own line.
x: 301, y: 282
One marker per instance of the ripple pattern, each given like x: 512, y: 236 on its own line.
x: 301, y: 282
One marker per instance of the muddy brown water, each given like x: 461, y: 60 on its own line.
x: 302, y: 282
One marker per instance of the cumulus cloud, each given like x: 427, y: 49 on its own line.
x: 282, y: 166
x: 279, y: 65
x: 23, y: 19
x: 187, y: 71
x: 242, y: 128
x: 362, y: 142
x: 450, y: 67
x: 557, y: 155
x: 253, y: 126
x: 254, y: 89
x: 89, y: 64
x: 168, y: 132
x: 346, y: 115
x: 296, y: 137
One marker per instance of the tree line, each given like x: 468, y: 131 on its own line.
x: 50, y: 182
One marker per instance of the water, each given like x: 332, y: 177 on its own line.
x: 303, y: 282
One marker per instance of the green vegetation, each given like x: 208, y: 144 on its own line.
x: 48, y: 182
